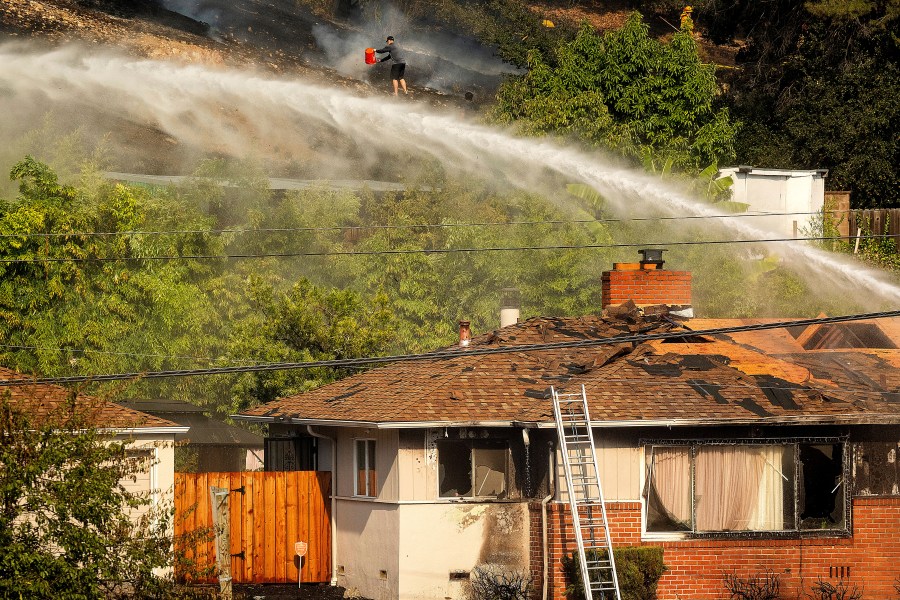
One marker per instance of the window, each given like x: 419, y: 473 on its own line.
x: 752, y: 487
x: 472, y: 468
x: 290, y: 454
x: 366, y: 477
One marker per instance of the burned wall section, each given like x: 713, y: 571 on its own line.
x: 875, y: 466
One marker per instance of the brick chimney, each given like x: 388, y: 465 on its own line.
x: 465, y: 334
x: 646, y: 283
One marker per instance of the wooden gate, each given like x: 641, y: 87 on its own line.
x: 268, y: 513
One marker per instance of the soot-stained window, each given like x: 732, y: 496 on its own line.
x: 473, y: 468
x: 706, y: 488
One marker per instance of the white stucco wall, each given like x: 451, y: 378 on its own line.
x: 437, y: 539
x: 367, y: 540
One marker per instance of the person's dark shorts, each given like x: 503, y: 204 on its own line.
x: 397, y: 70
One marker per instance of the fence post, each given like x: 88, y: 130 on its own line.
x: 219, y: 505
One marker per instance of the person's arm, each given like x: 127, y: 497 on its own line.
x: 383, y: 50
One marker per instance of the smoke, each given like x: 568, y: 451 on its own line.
x: 210, y: 12
x: 243, y: 113
x: 436, y: 60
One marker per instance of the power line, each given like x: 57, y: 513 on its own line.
x: 106, y: 352
x: 246, y: 362
x: 446, y: 354
x: 619, y: 380
x: 470, y: 250
x: 403, y: 226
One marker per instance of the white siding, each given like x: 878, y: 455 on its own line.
x: 620, y: 467
x: 386, y: 442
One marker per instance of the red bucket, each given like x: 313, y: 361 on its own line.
x: 370, y: 56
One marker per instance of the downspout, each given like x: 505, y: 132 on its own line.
x: 552, y: 491
x: 333, y: 501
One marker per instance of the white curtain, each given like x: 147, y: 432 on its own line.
x: 769, y: 513
x: 669, y: 506
x: 739, y: 488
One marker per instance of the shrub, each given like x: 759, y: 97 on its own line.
x: 823, y: 590
x: 638, y: 567
x: 490, y: 582
x: 758, y: 587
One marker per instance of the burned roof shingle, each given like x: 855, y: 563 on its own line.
x: 624, y: 382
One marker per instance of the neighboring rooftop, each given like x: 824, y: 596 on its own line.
x: 47, y: 401
x: 203, y: 430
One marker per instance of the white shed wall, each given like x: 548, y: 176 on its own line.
x: 779, y: 191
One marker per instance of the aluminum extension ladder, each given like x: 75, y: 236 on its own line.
x: 579, y: 455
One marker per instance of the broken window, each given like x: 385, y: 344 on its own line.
x: 716, y: 488
x: 366, y: 476
x: 472, y: 468
x: 822, y: 494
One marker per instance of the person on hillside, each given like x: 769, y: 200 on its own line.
x: 398, y: 63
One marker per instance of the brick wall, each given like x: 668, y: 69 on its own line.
x: 646, y: 286
x: 697, y: 567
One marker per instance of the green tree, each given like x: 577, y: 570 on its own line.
x: 77, y: 287
x: 626, y: 91
x: 305, y: 323
x: 816, y: 86
x: 68, y: 528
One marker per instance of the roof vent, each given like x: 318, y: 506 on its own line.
x: 465, y: 334
x: 510, y: 302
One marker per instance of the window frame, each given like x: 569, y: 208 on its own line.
x: 370, y: 467
x: 474, y: 444
x: 843, y: 531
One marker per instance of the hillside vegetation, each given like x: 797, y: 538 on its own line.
x: 100, y: 277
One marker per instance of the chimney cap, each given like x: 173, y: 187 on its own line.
x: 652, y: 256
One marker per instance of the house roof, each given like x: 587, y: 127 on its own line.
x: 44, y: 401
x: 203, y: 430
x: 715, y: 382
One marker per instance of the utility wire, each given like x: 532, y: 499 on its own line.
x: 106, y: 352
x: 404, y: 226
x: 422, y: 251
x: 446, y: 354
x: 245, y: 362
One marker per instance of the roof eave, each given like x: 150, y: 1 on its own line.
x: 383, y: 424
x: 174, y: 430
x: 867, y: 419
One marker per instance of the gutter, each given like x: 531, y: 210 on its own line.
x: 383, y: 424
x: 134, y: 430
x: 309, y: 429
x: 844, y: 419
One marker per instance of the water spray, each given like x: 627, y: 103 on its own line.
x: 244, y: 112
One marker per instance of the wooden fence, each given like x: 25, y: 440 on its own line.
x: 885, y: 221
x: 268, y: 513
